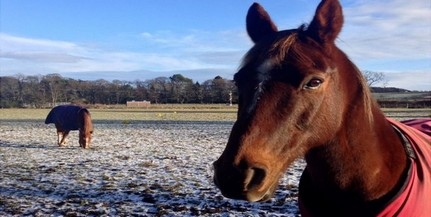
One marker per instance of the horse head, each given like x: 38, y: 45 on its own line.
x: 291, y: 100
x: 85, y: 129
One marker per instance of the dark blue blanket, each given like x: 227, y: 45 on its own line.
x: 65, y: 117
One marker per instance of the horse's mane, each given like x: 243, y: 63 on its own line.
x: 367, y: 99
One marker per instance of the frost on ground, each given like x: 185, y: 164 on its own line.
x: 134, y: 169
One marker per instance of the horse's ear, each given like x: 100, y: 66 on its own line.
x: 259, y: 24
x: 327, y: 22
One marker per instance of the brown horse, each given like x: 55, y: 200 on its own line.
x: 71, y: 117
x: 300, y: 95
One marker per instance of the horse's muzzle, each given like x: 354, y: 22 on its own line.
x: 242, y: 183
x: 84, y: 143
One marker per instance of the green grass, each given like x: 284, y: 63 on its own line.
x: 127, y: 115
x: 171, y: 113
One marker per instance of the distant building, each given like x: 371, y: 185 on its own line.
x: 138, y: 104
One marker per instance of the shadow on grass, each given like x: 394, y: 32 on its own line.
x: 4, y: 144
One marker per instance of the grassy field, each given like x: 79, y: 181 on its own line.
x: 213, y: 114
x: 145, y: 168
x: 175, y: 113
x: 162, y: 112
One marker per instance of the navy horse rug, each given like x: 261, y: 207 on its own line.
x: 71, y: 117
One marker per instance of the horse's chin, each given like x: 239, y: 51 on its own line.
x: 259, y: 196
x: 258, y: 193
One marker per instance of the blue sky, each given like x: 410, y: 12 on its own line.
x: 142, y: 39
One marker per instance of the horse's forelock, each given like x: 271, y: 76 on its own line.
x: 287, y: 46
x: 275, y: 48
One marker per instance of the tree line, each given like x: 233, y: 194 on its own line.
x: 52, y: 89
x: 48, y: 90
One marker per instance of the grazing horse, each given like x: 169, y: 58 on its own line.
x: 71, y: 117
x: 300, y: 96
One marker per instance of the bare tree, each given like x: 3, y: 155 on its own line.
x: 374, y: 77
x: 8, y: 92
x: 55, y: 86
x: 33, y: 94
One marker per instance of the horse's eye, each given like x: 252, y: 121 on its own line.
x: 313, y: 84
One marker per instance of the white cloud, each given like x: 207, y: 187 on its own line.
x: 191, y: 55
x: 409, y: 80
x: 9, y: 42
x: 198, y: 40
x: 387, y: 30
x: 166, y: 52
x: 41, y: 57
x: 390, y: 36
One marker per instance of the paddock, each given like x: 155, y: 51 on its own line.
x: 134, y: 167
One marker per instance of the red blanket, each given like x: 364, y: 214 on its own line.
x: 422, y: 124
x: 415, y: 200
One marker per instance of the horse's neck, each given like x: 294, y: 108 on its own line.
x: 365, y: 159
x: 87, y: 124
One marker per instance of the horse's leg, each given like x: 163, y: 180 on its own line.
x: 63, y: 139
x: 81, y: 139
x: 60, y: 134
x: 59, y: 137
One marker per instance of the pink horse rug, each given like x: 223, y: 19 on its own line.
x: 422, y: 124
x: 415, y: 198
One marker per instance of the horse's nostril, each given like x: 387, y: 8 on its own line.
x: 254, y: 177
